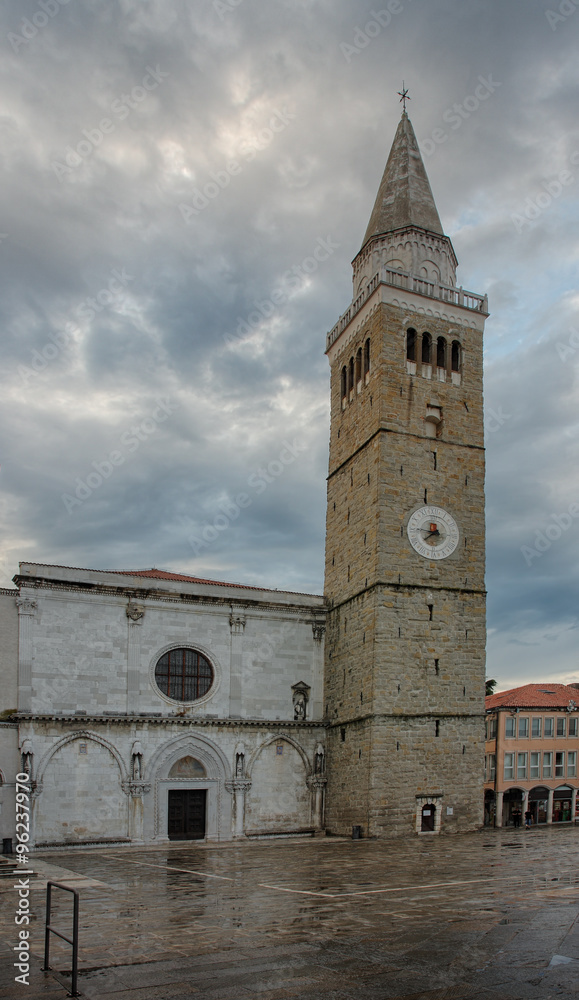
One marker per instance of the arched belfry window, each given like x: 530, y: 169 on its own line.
x: 441, y: 353
x: 359, y: 368
x: 367, y: 358
x: 455, y: 358
x: 426, y: 349
x: 344, y: 383
x: 184, y: 674
x: 351, y: 376
x: 411, y: 345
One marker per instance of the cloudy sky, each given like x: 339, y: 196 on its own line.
x: 169, y: 169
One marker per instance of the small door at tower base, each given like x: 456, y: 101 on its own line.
x: 186, y: 814
x: 428, y: 814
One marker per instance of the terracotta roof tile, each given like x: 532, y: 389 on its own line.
x: 534, y: 696
x: 161, y: 574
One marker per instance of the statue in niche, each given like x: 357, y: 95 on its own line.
x: 300, y: 700
x: 319, y: 760
x: 239, y: 760
x: 137, y: 761
x: 27, y: 755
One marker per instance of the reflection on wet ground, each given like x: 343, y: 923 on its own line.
x: 493, y: 912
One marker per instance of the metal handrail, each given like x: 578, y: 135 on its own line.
x: 48, y: 930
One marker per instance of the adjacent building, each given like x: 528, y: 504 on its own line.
x: 532, y: 743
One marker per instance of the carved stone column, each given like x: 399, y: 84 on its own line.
x: 26, y: 613
x: 136, y: 790
x: 317, y: 707
x: 238, y: 787
x: 237, y: 626
x: 317, y: 783
x: 135, y: 614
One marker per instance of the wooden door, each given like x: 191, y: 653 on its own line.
x: 187, y: 809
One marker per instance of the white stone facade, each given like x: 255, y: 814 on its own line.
x: 109, y: 747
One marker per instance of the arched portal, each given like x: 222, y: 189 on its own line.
x: 81, y: 797
x: 190, y: 800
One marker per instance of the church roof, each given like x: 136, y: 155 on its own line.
x: 161, y: 574
x: 534, y: 696
x: 404, y: 198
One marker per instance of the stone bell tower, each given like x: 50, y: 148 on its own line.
x: 405, y: 543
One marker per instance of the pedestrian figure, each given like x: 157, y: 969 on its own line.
x: 516, y: 816
x: 528, y: 819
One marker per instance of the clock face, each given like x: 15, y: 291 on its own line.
x: 432, y: 532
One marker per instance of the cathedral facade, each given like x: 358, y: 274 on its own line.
x: 150, y: 706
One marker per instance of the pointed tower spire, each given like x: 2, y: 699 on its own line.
x: 405, y: 233
x: 404, y: 198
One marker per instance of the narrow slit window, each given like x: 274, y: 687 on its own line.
x: 441, y: 353
x: 411, y: 345
x: 367, y: 357
x: 426, y: 349
x: 455, y: 359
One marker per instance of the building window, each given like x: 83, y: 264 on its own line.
x: 344, y: 384
x: 441, y: 353
x: 535, y: 765
x: 411, y: 345
x: 560, y: 764
x: 426, y: 349
x: 455, y: 356
x: 572, y: 727
x: 521, y: 765
x: 536, y: 728
x: 351, y: 377
x: 184, y: 674
x: 523, y: 728
x: 572, y: 764
x: 548, y: 765
x: 509, y: 772
x: 359, y: 369
x: 492, y: 766
x: 367, y: 359
x: 561, y: 727
x: 510, y: 727
x: 548, y: 727
x: 492, y: 729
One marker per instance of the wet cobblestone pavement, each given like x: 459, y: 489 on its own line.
x: 490, y: 915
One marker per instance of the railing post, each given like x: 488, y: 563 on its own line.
x: 51, y: 930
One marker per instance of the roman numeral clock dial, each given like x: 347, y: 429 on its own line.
x: 432, y: 532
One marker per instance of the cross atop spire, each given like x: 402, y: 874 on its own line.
x: 403, y: 95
